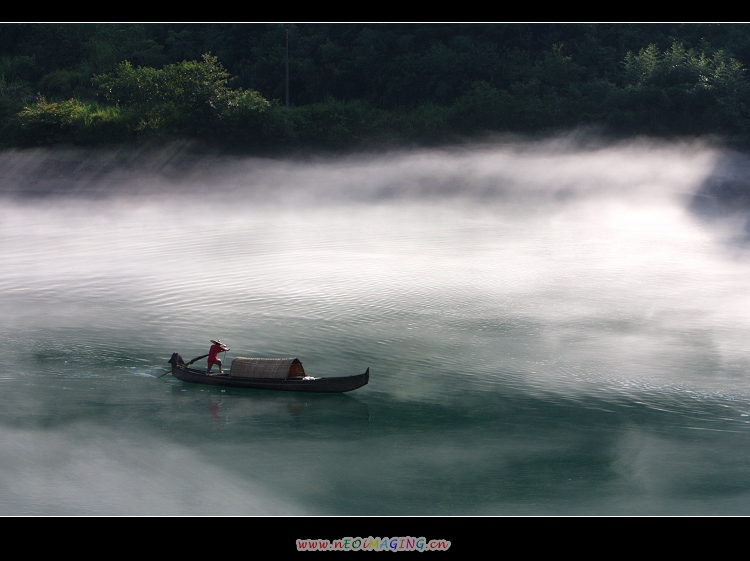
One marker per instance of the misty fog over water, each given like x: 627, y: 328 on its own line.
x: 551, y: 327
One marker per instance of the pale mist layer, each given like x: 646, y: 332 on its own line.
x: 543, y: 266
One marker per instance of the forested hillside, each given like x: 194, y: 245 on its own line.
x: 254, y: 86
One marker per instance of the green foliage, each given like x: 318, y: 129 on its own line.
x: 683, y: 91
x: 484, y: 108
x: 351, y: 83
x: 98, y: 125
x: 192, y: 97
x: 22, y: 68
x: 334, y: 123
x: 64, y: 83
x: 14, y: 94
x: 110, y: 45
x: 248, y: 119
x: 639, y: 68
x: 681, y: 67
x: 55, y: 114
x: 45, y: 122
x: 13, y: 89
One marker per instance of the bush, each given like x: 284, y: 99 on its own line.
x: 486, y: 108
x: 63, y: 83
x: 190, y: 98
x: 334, y: 123
x: 47, y: 123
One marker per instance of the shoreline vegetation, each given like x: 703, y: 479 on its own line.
x: 366, y: 86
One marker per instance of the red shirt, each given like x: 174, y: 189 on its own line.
x: 213, y: 352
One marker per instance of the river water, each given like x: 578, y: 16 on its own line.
x: 551, y: 327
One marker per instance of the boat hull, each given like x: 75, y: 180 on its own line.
x: 314, y: 385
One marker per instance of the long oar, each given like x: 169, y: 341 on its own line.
x: 196, y: 358
x: 188, y: 364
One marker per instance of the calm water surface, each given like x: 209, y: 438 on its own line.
x: 550, y: 330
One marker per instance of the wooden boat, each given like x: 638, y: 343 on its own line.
x: 284, y: 374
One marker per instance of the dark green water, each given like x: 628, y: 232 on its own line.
x: 549, y: 332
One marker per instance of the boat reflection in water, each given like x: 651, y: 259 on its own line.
x: 233, y: 406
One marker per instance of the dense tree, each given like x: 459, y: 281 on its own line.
x: 191, y: 97
x: 681, y: 90
x: 94, y: 82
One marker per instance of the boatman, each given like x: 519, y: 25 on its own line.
x: 213, y: 355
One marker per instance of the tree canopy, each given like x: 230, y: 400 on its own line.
x: 350, y: 83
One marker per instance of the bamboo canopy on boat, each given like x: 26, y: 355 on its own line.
x: 276, y: 368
